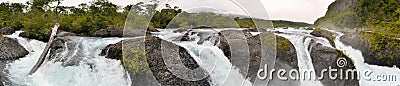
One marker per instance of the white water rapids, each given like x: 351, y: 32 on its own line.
x: 301, y: 41
x: 95, y: 70
x: 377, y: 71
x: 206, y: 54
x: 100, y: 72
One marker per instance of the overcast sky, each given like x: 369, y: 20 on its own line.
x: 292, y: 10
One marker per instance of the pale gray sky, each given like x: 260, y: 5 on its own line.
x: 292, y: 10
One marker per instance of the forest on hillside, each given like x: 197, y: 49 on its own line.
x: 378, y: 19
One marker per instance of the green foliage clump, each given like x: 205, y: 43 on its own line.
x: 1, y: 36
x: 135, y: 61
x: 283, y: 44
x: 384, y: 17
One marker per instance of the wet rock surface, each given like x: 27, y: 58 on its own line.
x: 112, y: 31
x: 286, y: 58
x: 353, y: 39
x: 11, y: 49
x: 154, y: 69
x: 112, y: 51
x: 7, y: 31
x: 325, y: 34
x: 2, y: 75
x: 324, y: 57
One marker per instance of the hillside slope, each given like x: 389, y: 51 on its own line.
x: 340, y: 14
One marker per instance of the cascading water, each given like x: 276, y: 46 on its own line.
x: 207, y: 54
x: 361, y: 66
x: 91, y: 70
x: 301, y: 41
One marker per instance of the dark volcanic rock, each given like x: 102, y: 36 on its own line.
x: 64, y: 33
x: 3, y: 77
x: 186, y: 36
x: 113, y: 51
x: 57, y: 47
x: 155, y: 70
x: 153, y: 30
x: 64, y: 47
x: 153, y: 49
x: 286, y: 52
x: 353, y: 39
x: 326, y: 34
x: 7, y: 31
x: 286, y: 58
x: 43, y: 38
x: 112, y: 31
x: 10, y: 49
x: 325, y: 57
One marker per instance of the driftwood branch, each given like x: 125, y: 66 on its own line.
x: 45, y: 51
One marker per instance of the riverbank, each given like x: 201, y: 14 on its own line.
x: 388, y: 56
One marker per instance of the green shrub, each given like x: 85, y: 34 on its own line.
x: 135, y: 61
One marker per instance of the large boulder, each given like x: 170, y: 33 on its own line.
x: 10, y: 49
x: 112, y: 51
x: 7, y: 31
x: 286, y: 57
x: 325, y: 34
x: 148, y: 63
x: 155, y: 67
x: 112, y: 31
x: 324, y: 57
x: 59, y: 46
x: 65, y: 47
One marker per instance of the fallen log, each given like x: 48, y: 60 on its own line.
x: 45, y: 51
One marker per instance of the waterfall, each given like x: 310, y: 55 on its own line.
x: 301, y: 44
x: 84, y: 67
x: 91, y: 70
x: 358, y: 59
x: 206, y: 55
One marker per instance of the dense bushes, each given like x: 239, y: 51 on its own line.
x: 38, y: 17
x: 384, y: 17
x: 379, y: 18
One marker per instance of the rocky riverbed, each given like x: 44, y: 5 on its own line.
x: 142, y: 57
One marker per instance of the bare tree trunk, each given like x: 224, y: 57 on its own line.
x: 45, y: 51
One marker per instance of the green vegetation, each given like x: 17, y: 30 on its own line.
x: 135, y: 61
x: 380, y: 17
x: 340, y: 14
x: 283, y: 23
x: 1, y: 36
x: 38, y: 17
x: 384, y: 17
x: 283, y: 44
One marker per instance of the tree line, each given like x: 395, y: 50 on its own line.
x: 38, y: 16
